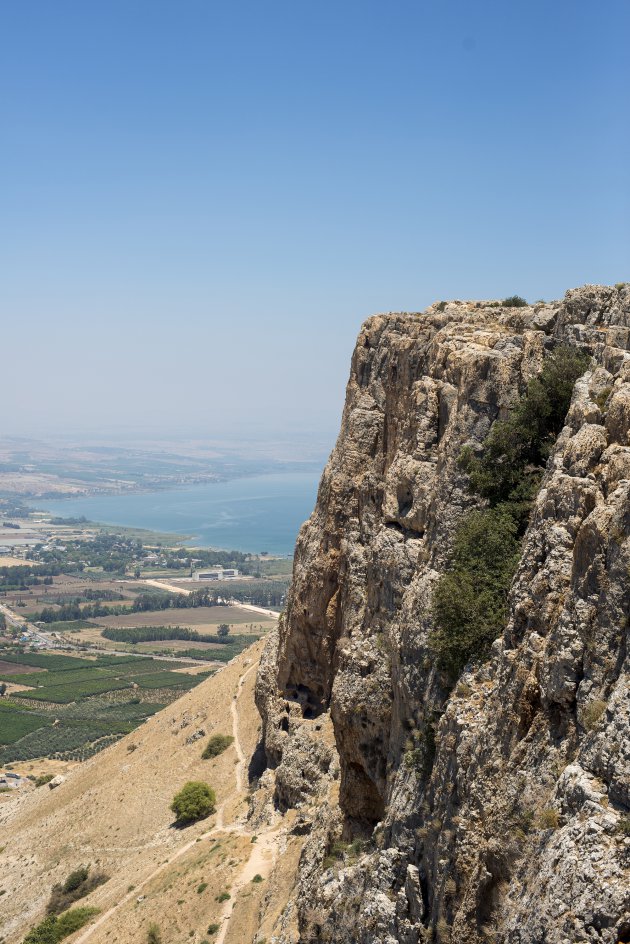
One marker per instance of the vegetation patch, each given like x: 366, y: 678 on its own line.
x: 512, y: 459
x: 77, y: 885
x: 16, y: 724
x: 196, y: 800
x: 548, y: 819
x: 82, y: 728
x: 592, y: 714
x: 514, y: 301
x: 159, y: 633
x: 154, y: 935
x: 216, y: 745
x: 470, y: 598
x: 55, y: 928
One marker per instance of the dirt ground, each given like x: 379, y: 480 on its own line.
x: 12, y: 668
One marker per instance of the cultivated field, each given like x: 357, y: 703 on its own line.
x: 11, y: 668
x: 7, y: 561
x: 199, y: 617
x: 69, y: 708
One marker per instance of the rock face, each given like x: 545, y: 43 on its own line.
x: 498, y: 810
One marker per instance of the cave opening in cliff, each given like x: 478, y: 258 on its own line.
x: 309, y: 701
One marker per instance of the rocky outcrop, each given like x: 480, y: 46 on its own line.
x: 497, y: 810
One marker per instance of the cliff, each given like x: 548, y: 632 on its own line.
x: 496, y: 808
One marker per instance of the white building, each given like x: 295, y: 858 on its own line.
x: 217, y: 573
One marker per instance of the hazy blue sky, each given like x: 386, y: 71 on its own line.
x: 201, y: 201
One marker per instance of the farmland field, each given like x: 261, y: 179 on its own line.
x: 14, y: 668
x: 74, y: 707
x: 199, y: 616
x: 15, y: 724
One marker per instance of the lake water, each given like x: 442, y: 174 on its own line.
x: 258, y: 513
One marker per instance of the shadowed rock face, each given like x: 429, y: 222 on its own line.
x: 459, y: 785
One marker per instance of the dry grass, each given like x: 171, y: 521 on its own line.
x: 7, y: 561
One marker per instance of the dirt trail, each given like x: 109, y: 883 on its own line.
x: 255, y: 609
x: 260, y: 862
x: 257, y: 861
x: 163, y: 585
x: 263, y: 854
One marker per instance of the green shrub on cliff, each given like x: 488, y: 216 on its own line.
x: 509, y: 468
x: 470, y: 599
x: 514, y: 301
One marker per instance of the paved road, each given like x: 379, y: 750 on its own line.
x: 19, y: 622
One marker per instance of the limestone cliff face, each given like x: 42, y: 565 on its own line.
x: 496, y: 811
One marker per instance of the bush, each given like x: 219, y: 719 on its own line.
x: 43, y: 780
x: 592, y: 714
x: 201, y: 888
x: 548, y: 819
x: 154, y: 935
x: 514, y: 301
x: 213, y: 928
x: 55, y: 928
x: 195, y: 801
x: 470, y: 599
x: 77, y: 885
x: 75, y: 879
x: 224, y: 896
x: 216, y: 745
x: 257, y: 878
x: 509, y: 469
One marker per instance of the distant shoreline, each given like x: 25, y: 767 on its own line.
x: 251, y: 514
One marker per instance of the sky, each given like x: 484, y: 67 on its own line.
x: 201, y: 201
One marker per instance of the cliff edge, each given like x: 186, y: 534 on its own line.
x: 494, y: 806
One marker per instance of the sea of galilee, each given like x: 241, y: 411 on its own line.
x: 254, y: 513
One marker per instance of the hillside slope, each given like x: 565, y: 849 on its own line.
x: 496, y: 809
x: 112, y: 813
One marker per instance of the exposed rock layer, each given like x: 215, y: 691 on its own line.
x: 495, y: 811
